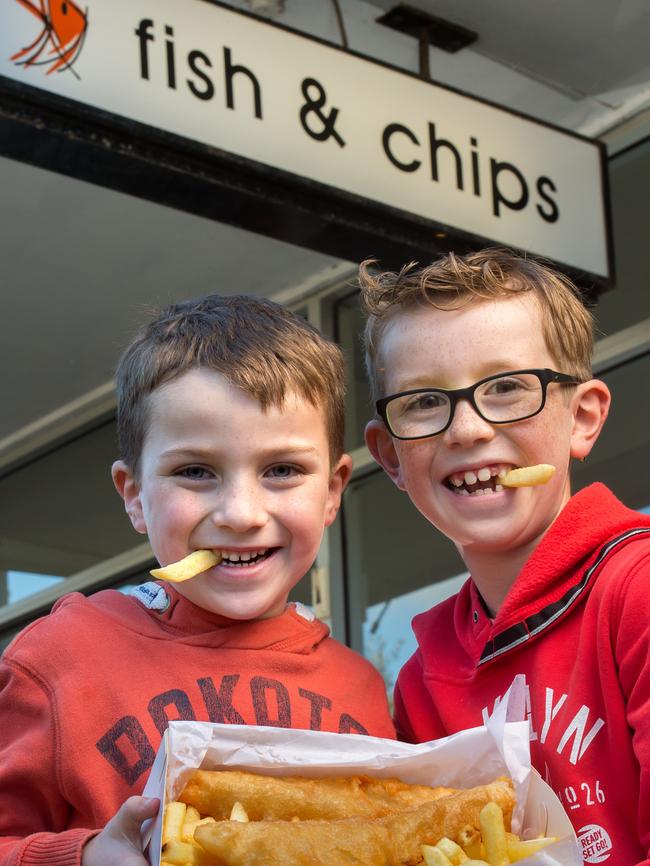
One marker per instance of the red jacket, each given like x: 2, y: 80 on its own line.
x: 576, y: 622
x: 86, y: 693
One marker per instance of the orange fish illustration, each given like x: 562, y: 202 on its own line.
x: 63, y: 31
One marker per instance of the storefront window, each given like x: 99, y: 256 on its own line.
x: 629, y: 303
x: 60, y: 515
x: 621, y: 455
x: 397, y: 564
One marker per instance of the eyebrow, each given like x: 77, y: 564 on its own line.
x: 425, y: 381
x: 191, y: 453
x: 292, y: 449
x: 188, y: 453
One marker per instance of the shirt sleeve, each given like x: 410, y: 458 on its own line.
x: 33, y: 810
x: 414, y: 714
x: 631, y: 637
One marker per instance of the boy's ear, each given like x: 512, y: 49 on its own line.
x: 129, y: 490
x: 382, y: 447
x: 339, y: 477
x: 590, y: 408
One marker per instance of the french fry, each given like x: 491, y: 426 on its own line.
x: 452, y: 851
x: 192, y: 815
x: 187, y: 832
x: 173, y: 818
x: 476, y: 863
x: 493, y: 832
x: 178, y: 853
x: 519, y: 849
x: 527, y: 476
x: 190, y: 566
x: 433, y: 856
x: 238, y: 813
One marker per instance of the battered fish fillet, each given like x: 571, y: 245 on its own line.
x: 393, y: 840
x: 213, y: 792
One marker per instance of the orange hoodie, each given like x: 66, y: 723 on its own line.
x: 86, y: 693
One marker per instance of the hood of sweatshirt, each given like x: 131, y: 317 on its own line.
x: 156, y: 610
x: 589, y: 520
x: 554, y: 577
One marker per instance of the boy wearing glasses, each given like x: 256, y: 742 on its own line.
x: 480, y: 364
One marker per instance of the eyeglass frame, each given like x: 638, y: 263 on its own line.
x: 545, y: 375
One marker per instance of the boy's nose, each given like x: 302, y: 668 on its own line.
x: 240, y: 507
x: 467, y: 426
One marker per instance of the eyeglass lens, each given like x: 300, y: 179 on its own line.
x: 502, y: 399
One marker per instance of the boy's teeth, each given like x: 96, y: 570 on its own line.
x: 470, y: 478
x: 233, y: 556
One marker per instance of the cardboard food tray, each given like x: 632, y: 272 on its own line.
x: 471, y: 757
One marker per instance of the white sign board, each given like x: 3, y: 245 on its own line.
x: 231, y: 81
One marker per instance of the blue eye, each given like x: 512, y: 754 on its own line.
x: 194, y: 473
x: 282, y: 470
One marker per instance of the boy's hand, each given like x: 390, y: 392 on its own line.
x: 119, y: 843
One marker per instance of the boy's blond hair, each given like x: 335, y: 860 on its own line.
x: 256, y: 344
x: 454, y: 281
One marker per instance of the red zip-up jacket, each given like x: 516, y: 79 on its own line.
x: 86, y: 693
x: 576, y: 623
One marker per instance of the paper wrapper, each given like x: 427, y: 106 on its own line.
x: 472, y: 757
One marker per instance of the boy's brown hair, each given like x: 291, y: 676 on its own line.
x: 257, y: 345
x: 454, y: 281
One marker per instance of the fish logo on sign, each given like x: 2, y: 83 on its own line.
x: 60, y: 40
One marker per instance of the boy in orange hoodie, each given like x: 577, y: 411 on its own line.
x: 230, y: 420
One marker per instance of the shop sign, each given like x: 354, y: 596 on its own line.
x: 234, y: 82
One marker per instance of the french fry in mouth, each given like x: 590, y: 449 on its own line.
x: 189, y: 566
x: 528, y: 476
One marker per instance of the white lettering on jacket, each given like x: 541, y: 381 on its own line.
x: 576, y: 729
x: 550, y: 712
x: 529, y: 713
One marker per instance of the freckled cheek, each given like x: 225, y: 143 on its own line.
x: 300, y: 515
x: 417, y: 465
x: 174, y: 512
x: 304, y: 516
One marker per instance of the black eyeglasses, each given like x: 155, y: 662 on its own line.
x: 500, y: 399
